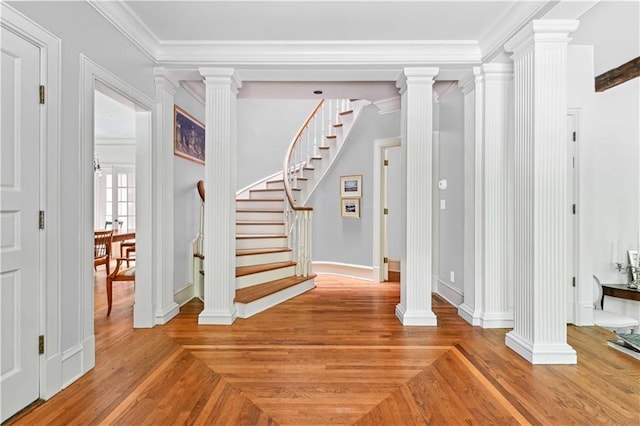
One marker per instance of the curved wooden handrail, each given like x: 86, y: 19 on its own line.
x: 200, y: 186
x: 287, y: 159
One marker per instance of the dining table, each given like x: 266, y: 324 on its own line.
x: 123, y: 235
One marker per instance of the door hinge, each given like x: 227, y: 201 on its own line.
x: 42, y: 95
x: 40, y: 345
x: 385, y: 260
x: 573, y: 281
x: 385, y: 211
x: 574, y: 136
x: 386, y: 162
x: 41, y: 219
x: 573, y: 208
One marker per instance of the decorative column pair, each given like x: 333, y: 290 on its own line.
x: 488, y: 284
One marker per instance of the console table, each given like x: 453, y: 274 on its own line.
x: 619, y: 290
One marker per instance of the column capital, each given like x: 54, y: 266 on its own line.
x: 161, y: 79
x: 541, y: 30
x: 416, y: 75
x: 221, y: 76
x: 470, y: 80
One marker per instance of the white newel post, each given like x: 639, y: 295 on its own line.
x: 498, y: 136
x: 165, y: 306
x: 222, y: 87
x: 473, y: 91
x: 541, y: 200
x: 416, y: 90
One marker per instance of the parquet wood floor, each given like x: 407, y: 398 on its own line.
x: 335, y: 355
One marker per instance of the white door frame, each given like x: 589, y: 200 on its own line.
x: 573, y: 306
x: 49, y: 45
x: 91, y: 75
x: 378, y: 228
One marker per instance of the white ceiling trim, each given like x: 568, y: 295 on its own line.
x: 325, y: 53
x: 128, y: 23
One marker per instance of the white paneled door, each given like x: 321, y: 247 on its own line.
x: 20, y: 235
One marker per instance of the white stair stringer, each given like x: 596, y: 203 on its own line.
x: 321, y: 167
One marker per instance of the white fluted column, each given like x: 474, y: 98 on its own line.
x: 165, y: 307
x: 498, y: 134
x: 473, y: 91
x: 222, y: 87
x: 416, y: 90
x: 541, y: 202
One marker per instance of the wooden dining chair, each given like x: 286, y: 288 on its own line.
x: 126, y: 248
x: 120, y: 273
x: 102, y: 249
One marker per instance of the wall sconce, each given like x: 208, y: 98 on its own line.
x: 96, y: 168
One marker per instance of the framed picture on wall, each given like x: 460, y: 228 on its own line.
x: 188, y: 136
x: 351, y: 186
x: 350, y: 207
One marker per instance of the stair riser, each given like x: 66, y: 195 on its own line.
x: 275, y: 185
x: 262, y: 258
x: 263, y: 277
x: 259, y: 205
x: 260, y: 229
x: 261, y: 195
x: 257, y: 243
x: 260, y: 217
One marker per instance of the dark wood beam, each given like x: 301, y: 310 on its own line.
x: 619, y: 75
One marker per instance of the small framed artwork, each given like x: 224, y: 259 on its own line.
x: 188, y: 136
x: 350, y: 207
x: 351, y: 186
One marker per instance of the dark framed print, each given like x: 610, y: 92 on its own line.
x: 188, y: 136
x: 350, y: 207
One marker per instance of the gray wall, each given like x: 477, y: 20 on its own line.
x: 347, y: 240
x: 451, y: 220
x: 186, y: 201
x: 82, y: 30
x: 265, y: 130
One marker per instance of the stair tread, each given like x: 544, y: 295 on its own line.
x: 241, y: 271
x: 249, y: 252
x: 198, y: 255
x: 331, y: 136
x: 346, y: 112
x: 324, y: 147
x: 309, y: 168
x: 259, y: 211
x: 302, y: 178
x: 316, y: 157
x: 260, y: 199
x: 338, y: 125
x: 253, y: 293
x: 250, y: 236
x: 266, y: 190
x: 257, y: 222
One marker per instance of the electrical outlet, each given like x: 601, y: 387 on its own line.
x: 452, y: 276
x: 443, y: 204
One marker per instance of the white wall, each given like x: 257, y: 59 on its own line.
x: 265, y: 130
x: 609, y: 136
x: 82, y: 30
x: 451, y: 168
x: 186, y: 201
x: 115, y: 152
x: 349, y: 240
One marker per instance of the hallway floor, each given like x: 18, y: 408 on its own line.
x: 335, y: 355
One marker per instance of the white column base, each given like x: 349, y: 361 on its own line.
x: 222, y: 317
x: 167, y: 313
x: 540, y: 353
x: 416, y: 317
x: 497, y: 320
x: 467, y: 313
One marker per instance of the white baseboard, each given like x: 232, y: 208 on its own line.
x: 168, y: 312
x: 541, y: 354
x: 468, y: 315
x: 72, y: 363
x: 359, y: 272
x: 394, y: 265
x: 416, y: 317
x: 181, y: 297
x: 218, y: 317
x: 450, y: 293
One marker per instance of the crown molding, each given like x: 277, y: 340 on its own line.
x: 389, y: 105
x: 128, y: 23
x: 509, y: 24
x: 324, y: 53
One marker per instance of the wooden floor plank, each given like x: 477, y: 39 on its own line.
x: 335, y: 355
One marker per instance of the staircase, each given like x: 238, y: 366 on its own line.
x: 273, y: 232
